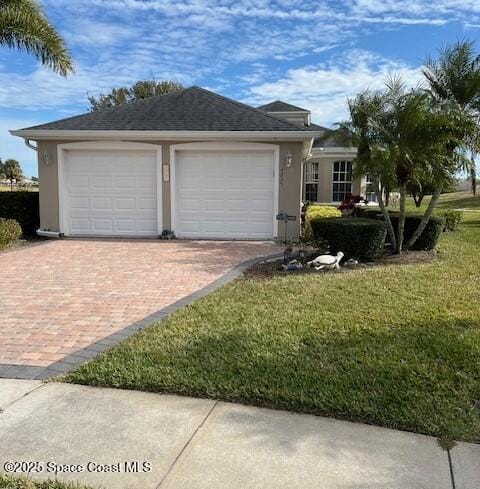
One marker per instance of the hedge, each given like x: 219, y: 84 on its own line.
x: 430, y: 235
x: 356, y: 237
x: 10, y: 231
x: 23, y: 207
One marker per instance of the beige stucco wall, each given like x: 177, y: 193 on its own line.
x: 289, y: 180
x: 325, y: 177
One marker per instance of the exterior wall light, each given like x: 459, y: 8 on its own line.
x: 289, y: 160
x: 46, y: 158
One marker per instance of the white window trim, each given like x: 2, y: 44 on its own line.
x: 311, y: 162
x: 223, y: 146
x: 341, y: 181
x: 103, y: 145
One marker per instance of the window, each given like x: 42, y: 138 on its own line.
x: 370, y: 194
x: 311, y: 181
x: 342, y: 180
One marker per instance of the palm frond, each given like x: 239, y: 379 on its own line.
x: 23, y: 26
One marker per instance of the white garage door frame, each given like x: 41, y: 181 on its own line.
x: 62, y: 155
x: 230, y: 147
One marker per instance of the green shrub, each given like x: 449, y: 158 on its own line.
x: 368, y: 212
x: 317, y: 212
x: 430, y: 235
x: 23, y: 207
x: 356, y: 237
x: 10, y: 231
x: 452, y: 219
x: 321, y: 211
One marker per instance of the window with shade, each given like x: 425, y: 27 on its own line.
x: 311, y: 181
x: 342, y: 180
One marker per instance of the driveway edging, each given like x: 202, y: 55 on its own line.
x: 32, y: 372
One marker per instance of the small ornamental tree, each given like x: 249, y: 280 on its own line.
x: 11, y: 171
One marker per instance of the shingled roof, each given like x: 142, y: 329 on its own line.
x: 280, y: 106
x: 192, y: 109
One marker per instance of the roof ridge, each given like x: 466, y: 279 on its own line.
x: 246, y: 106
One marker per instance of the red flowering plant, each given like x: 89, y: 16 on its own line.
x: 348, y: 203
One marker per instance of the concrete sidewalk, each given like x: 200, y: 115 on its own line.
x: 203, y: 444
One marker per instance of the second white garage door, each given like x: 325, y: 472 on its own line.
x: 222, y: 194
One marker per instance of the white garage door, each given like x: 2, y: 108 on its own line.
x: 225, y: 194
x: 111, y: 193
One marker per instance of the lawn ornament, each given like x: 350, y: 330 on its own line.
x: 351, y: 263
x: 326, y: 262
x: 292, y: 265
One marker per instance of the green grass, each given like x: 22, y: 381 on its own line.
x: 15, y: 482
x: 394, y: 346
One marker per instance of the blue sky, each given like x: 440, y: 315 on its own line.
x: 312, y: 54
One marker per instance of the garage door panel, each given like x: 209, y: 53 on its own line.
x: 213, y: 227
x: 80, y: 203
x: 189, y: 205
x: 147, y: 226
x: 126, y: 225
x: 79, y: 182
x: 80, y: 224
x: 229, y: 198
x: 111, y: 192
x: 102, y: 204
x: 147, y: 204
x: 102, y: 225
x: 125, y: 204
x: 214, y: 205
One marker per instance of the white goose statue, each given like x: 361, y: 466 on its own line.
x: 326, y: 262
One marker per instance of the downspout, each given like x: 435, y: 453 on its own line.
x: 28, y: 144
x: 40, y: 232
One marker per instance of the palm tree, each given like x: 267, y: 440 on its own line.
x: 455, y: 76
x: 371, y: 156
x: 423, y: 139
x: 24, y: 26
x: 404, y: 137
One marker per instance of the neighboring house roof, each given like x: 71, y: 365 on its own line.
x: 280, y: 106
x: 191, y: 109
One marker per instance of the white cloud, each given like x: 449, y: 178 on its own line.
x: 92, y: 33
x: 324, y: 89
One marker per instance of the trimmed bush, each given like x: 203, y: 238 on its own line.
x: 369, y: 212
x: 430, y: 235
x: 10, y: 231
x: 317, y: 212
x: 452, y: 219
x: 321, y: 211
x: 356, y: 237
x: 23, y: 207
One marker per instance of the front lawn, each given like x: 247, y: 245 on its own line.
x: 395, y: 346
x: 14, y: 482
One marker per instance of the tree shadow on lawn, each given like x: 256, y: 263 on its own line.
x: 422, y: 377
x: 467, y: 202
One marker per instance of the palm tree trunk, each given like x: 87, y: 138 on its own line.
x: 401, y: 217
x: 426, y: 217
x: 473, y: 177
x: 386, y: 215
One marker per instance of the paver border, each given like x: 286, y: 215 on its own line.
x: 33, y: 372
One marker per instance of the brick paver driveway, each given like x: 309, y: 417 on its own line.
x: 60, y: 296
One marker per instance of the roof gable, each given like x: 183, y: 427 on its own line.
x: 280, y: 106
x: 191, y: 109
